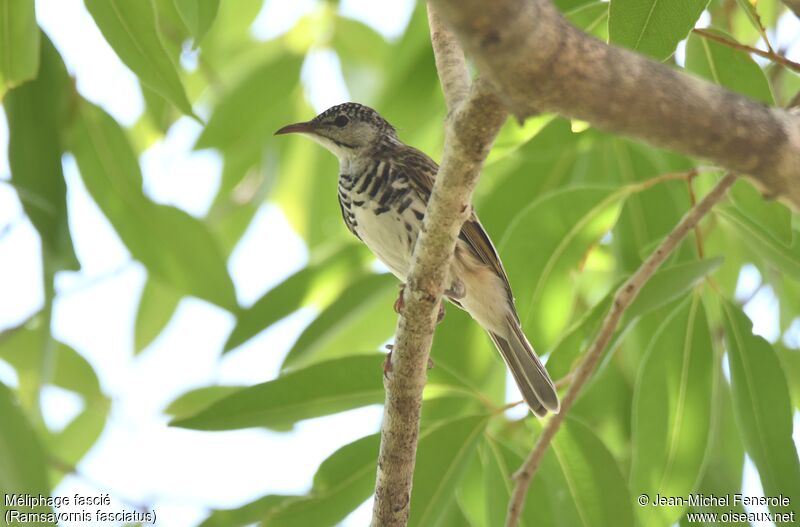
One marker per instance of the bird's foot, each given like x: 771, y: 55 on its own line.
x: 400, y: 303
x: 387, y: 362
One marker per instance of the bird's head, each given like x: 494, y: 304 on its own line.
x: 348, y: 130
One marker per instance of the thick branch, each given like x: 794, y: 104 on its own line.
x: 469, y: 133
x: 623, y: 298
x: 539, y: 62
x: 794, y: 5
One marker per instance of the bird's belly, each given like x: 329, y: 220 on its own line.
x: 388, y: 238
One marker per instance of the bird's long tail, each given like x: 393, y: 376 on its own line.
x: 529, y: 373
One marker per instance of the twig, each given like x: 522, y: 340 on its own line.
x: 565, y: 381
x: 470, y: 129
x: 623, y: 298
x: 771, y: 55
x: 698, y: 233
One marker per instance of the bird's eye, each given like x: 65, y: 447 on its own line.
x: 341, y: 121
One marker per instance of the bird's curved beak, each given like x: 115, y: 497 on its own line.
x: 297, y: 128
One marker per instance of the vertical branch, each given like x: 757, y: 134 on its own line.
x: 450, y: 62
x: 625, y: 295
x: 474, y: 118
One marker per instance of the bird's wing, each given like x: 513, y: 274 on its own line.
x: 421, y: 171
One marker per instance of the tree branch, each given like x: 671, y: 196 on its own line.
x: 771, y: 55
x: 470, y: 129
x: 538, y: 62
x: 623, y: 298
x: 793, y: 5
x: 450, y: 62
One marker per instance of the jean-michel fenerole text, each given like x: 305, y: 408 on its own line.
x: 724, y: 500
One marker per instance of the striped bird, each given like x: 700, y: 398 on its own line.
x: 384, y: 186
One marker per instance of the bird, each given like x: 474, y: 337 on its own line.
x: 383, y: 189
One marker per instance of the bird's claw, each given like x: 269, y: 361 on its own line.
x: 400, y: 303
x: 387, y: 362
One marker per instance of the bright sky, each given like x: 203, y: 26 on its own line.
x: 138, y: 459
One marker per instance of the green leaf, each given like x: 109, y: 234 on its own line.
x: 156, y: 307
x: 411, y: 98
x: 762, y: 407
x: 567, y: 5
x: 728, y: 67
x: 588, y: 466
x: 19, y: 43
x: 790, y: 359
x: 73, y: 442
x: 464, y: 356
x: 22, y: 460
x: 198, y: 15
x: 198, y: 399
x: 130, y: 28
x: 545, y: 245
x: 320, y: 389
x: 591, y: 18
x: 471, y: 493
x: 671, y: 410
x: 575, y: 340
x: 550, y: 153
x: 342, y: 482
x: 762, y: 242
x: 248, y: 514
x: 332, y: 273
x: 722, y: 472
x: 177, y: 248
x: 36, y: 113
x: 606, y: 403
x: 653, y: 27
x: 668, y: 284
x: 360, y: 319
x: 773, y: 217
x: 23, y: 351
x: 442, y: 456
x: 650, y: 214
x: 356, y: 41
x: 236, y: 119
x: 663, y: 287
x: 750, y: 12
x: 158, y: 110
x: 499, y: 465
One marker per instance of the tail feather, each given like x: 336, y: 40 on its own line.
x: 529, y: 373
